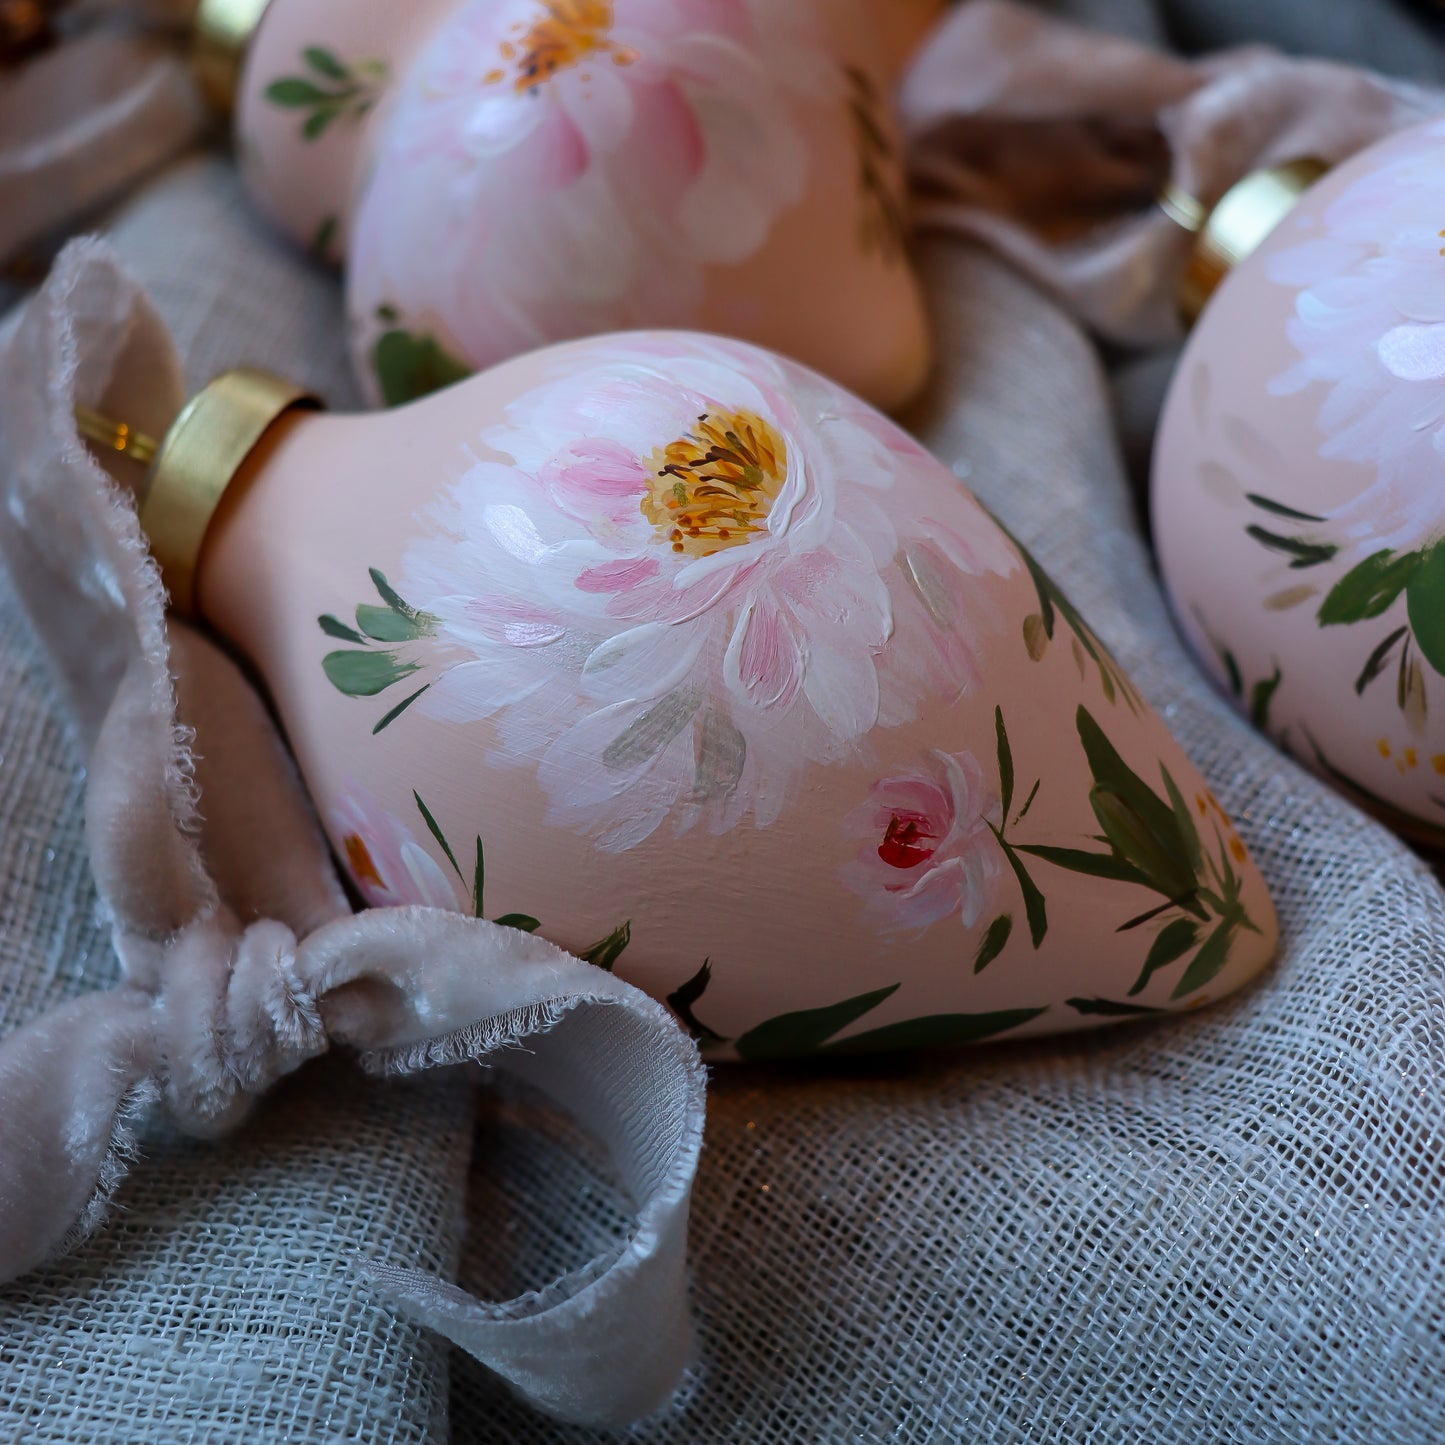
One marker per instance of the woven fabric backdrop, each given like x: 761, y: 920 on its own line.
x: 1226, y: 1227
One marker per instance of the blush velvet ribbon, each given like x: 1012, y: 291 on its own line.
x: 1053, y: 143
x: 240, y: 955
x: 83, y: 122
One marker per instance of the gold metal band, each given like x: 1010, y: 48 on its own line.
x: 1183, y: 209
x: 199, y: 456
x: 223, y: 31
x: 1245, y: 214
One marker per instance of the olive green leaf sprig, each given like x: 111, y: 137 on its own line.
x: 328, y: 89
x: 364, y: 669
x: 1368, y: 590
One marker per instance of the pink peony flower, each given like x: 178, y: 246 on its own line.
x: 703, y: 569
x: 927, y: 851
x: 1369, y: 323
x: 568, y: 168
x: 384, y: 859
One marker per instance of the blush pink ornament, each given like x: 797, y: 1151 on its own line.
x: 1298, y: 505
x: 679, y: 652
x: 500, y: 174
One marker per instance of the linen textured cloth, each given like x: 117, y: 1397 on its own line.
x: 1226, y: 1227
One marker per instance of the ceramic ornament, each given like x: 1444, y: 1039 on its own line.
x: 683, y: 655
x: 500, y: 174
x: 1299, y: 482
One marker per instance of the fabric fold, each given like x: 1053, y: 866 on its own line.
x: 1052, y: 143
x: 83, y: 122
x: 240, y: 956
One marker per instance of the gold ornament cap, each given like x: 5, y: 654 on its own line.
x: 198, y: 459
x: 223, y: 31
x: 1236, y: 226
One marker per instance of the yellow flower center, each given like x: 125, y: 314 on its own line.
x: 564, y: 35
x: 714, y: 487
x: 358, y: 859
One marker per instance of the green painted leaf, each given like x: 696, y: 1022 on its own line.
x: 805, y: 1031
x: 1231, y: 668
x: 1112, y: 773
x: 522, y: 922
x: 937, y: 1031
x: 1005, y: 763
x: 1375, y: 663
x: 1029, y: 801
x: 397, y: 711
x: 1043, y: 583
x: 1095, y: 865
x: 1368, y: 588
x: 409, y: 366
x: 606, y: 951
x: 1213, y: 953
x: 317, y: 122
x: 1149, y: 914
x: 1034, y: 907
x: 682, y: 998
x: 479, y: 873
x: 364, y: 674
x: 1163, y: 861
x: 1138, y: 823
x: 1110, y: 1008
x: 325, y: 235
x: 292, y: 91
x: 335, y: 627
x: 1305, y: 554
x: 1425, y: 598
x: 315, y: 125
x: 1172, y: 943
x: 1260, y: 697
x: 389, y: 594
x: 386, y: 624
x: 325, y: 63
x: 993, y: 941
x: 1279, y: 509
x: 1185, y: 819
x: 436, y: 832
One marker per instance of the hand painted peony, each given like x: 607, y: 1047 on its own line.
x: 551, y: 171
x: 1369, y: 322
x: 701, y: 569
x: 928, y: 851
x: 385, y: 861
